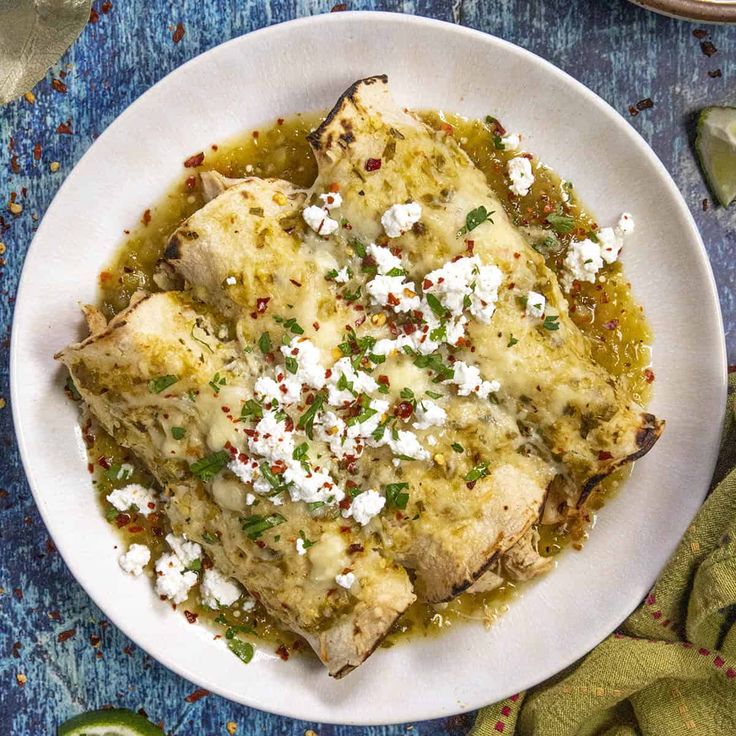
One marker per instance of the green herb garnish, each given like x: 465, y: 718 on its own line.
x: 291, y: 365
x: 512, y: 341
x: 264, y: 343
x: 562, y: 224
x: 306, y: 420
x: 474, y: 218
x: 255, y: 525
x: 243, y: 650
x: 178, y: 433
x: 216, y: 382
x: 457, y: 447
x: 157, y: 385
x: 251, y: 408
x: 479, y: 471
x: 551, y: 322
x: 210, y: 465
x: 395, y: 496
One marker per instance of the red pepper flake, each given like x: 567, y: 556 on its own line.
x: 54, y: 615
x: 94, y: 640
x: 384, y: 379
x: 59, y: 86
x: 262, y: 304
x: 191, y: 617
x: 471, y: 484
x: 603, y: 455
x: 344, y: 503
x: 283, y: 652
x: 646, y: 104
x: 68, y: 634
x: 14, y: 166
x: 355, y: 548
x: 18, y: 593
x: 404, y: 409
x: 289, y: 424
x: 296, y: 283
x: 715, y: 73
x: 198, y: 694
x: 17, y: 646
x: 65, y: 128
x: 708, y: 48
x: 104, y: 462
x: 122, y: 520
x: 706, y: 204
x: 649, y: 375
x: 37, y: 152
x: 612, y: 325
x: 106, y: 7
x: 339, y: 8
x: 190, y: 183
x: 316, y: 326
x: 178, y: 33
x: 633, y: 111
x: 128, y: 650
x: 135, y: 529
x: 146, y: 219
x: 94, y: 16
x: 447, y: 128
x: 700, y: 33
x: 193, y: 161
x: 280, y: 121
x: 373, y: 164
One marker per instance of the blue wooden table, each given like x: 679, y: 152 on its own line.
x: 57, y: 654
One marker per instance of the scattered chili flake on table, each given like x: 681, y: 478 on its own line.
x: 649, y: 375
x: 178, y: 33
x: 283, y: 652
x: 700, y: 33
x: 59, y: 86
x: 14, y: 165
x: 21, y: 679
x: 198, y: 694
x: 195, y: 160
x: 17, y: 646
x: 633, y: 111
x: 54, y: 166
x: 68, y: 634
x: 645, y: 104
x: 37, y: 152
x: 705, y: 205
x: 146, y: 219
x: 339, y: 8
x: 708, y: 48
x: 65, y: 128
x: 94, y: 16
x: 191, y: 617
x: 715, y: 73
x: 106, y: 7
x: 30, y: 97
x: 231, y: 727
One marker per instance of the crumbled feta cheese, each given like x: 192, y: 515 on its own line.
x: 468, y: 381
x: 393, y: 291
x: 535, y: 305
x: 385, y: 260
x: 431, y: 440
x: 248, y: 603
x: 610, y: 244
x: 465, y: 283
x: 429, y: 414
x: 216, y: 590
x: 345, y: 581
x: 172, y: 580
x: 310, y: 370
x: 626, y: 224
x: 231, y: 281
x: 133, y: 494
x: 582, y: 262
x: 311, y: 486
x: 365, y: 506
x: 267, y: 388
x: 564, y: 193
x: 331, y: 429
x: 332, y: 200
x: 125, y: 472
x: 399, y: 218
x: 301, y: 550
x: 185, y: 550
x: 511, y: 141
x: 343, y: 275
x: 245, y: 470
x: 271, y: 440
x: 360, y: 381
x: 319, y: 220
x: 135, y: 559
x: 250, y: 499
x: 405, y: 443
x: 520, y: 173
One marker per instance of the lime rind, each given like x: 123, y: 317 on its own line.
x: 112, y: 722
x: 715, y: 144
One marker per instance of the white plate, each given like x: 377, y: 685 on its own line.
x: 305, y: 65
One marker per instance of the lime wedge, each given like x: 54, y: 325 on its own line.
x: 716, y: 147
x: 114, y: 722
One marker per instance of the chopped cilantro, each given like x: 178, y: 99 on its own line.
x: 300, y: 451
x: 332, y: 274
x: 562, y: 224
x: 512, y: 341
x: 396, y: 272
x: 251, y: 408
x: 359, y: 248
x: 436, y: 305
x: 406, y: 393
x: 243, y: 650
x: 216, y: 382
x: 209, y: 538
x: 474, y: 218
x: 264, y: 343
x: 433, y: 394
x: 290, y: 324
x: 479, y: 471
x: 306, y: 420
x: 351, y: 296
x: 255, y: 525
x: 291, y: 365
x: 307, y: 542
x: 395, y: 496
x: 457, y: 447
x: 157, y: 385
x: 551, y: 322
x: 178, y: 433
x: 210, y: 465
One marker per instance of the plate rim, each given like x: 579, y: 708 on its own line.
x: 692, y: 10
x: 129, y: 629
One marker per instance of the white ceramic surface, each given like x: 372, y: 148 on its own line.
x: 305, y: 65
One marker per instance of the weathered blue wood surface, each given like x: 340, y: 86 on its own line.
x: 620, y: 51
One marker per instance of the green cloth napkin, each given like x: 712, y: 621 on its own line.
x: 671, y: 667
